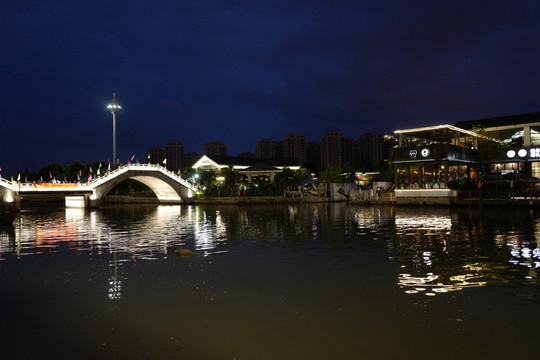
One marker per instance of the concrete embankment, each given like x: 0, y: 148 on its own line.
x: 260, y: 200
x: 121, y: 199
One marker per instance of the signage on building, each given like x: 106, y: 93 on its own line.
x: 531, y: 153
x: 424, y: 153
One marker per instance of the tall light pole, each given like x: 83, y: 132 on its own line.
x: 114, y: 107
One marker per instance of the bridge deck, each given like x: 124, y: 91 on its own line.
x: 55, y: 189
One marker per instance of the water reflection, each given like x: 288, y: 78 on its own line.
x: 357, y: 281
x: 448, y: 249
x: 7, y: 239
x: 437, y: 250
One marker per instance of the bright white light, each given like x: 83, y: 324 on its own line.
x: 522, y: 152
x: 8, y: 197
x: 75, y: 201
x: 510, y: 153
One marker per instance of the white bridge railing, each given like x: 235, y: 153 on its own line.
x: 92, y: 184
x: 140, y: 167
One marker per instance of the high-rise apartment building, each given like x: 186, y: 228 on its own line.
x: 313, y: 154
x: 269, y: 149
x: 215, y: 148
x: 294, y: 146
x: 174, y: 153
x: 372, y: 147
x: 332, y: 150
x: 154, y: 155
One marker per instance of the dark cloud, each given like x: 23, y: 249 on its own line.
x: 241, y: 71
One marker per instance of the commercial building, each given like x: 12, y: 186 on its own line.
x: 433, y: 163
x: 248, y: 166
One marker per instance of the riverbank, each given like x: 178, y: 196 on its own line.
x: 112, y: 199
x: 383, y: 199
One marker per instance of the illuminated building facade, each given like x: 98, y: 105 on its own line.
x: 433, y: 163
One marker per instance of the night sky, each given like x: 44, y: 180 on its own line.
x: 241, y: 71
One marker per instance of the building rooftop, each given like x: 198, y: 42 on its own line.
x: 500, y: 121
x: 438, y: 133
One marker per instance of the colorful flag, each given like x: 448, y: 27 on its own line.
x: 19, y: 177
x: 90, y: 169
x: 90, y: 177
x: 165, y: 161
x: 50, y: 175
x: 133, y: 157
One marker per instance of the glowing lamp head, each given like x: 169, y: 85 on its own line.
x: 113, y: 106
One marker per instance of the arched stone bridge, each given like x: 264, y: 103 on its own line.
x: 168, y: 187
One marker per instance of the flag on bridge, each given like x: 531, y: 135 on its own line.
x: 165, y: 161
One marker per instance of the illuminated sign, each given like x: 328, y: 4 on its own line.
x: 534, y: 153
x: 424, y: 152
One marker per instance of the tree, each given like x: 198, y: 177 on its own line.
x: 232, y: 178
x: 285, y: 178
x: 302, y: 175
x: 331, y: 176
x: 74, y: 170
x: 53, y: 171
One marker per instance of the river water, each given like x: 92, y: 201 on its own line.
x: 325, y: 281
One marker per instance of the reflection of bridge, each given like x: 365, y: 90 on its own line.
x: 167, y: 186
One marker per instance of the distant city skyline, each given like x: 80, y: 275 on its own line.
x: 243, y: 71
x: 334, y: 150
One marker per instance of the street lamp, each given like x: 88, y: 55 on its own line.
x: 114, y: 107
